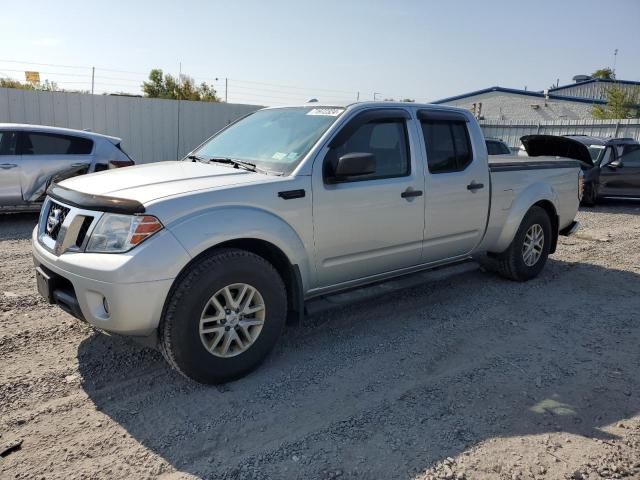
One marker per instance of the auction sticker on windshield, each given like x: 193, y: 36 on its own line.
x: 331, y: 112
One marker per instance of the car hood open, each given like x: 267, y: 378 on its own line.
x: 555, y: 146
x: 152, y: 181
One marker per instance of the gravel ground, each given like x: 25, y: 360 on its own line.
x: 468, y: 377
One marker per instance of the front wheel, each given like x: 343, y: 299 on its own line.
x: 590, y: 195
x: 223, y: 317
x: 528, y: 252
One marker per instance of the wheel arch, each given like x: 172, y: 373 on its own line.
x: 550, y: 208
x: 288, y: 271
x: 538, y: 195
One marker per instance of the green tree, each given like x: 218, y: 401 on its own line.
x: 606, y: 72
x: 46, y: 86
x: 183, y: 88
x: 621, y: 103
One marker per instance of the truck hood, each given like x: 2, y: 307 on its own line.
x: 151, y: 181
x: 554, y: 146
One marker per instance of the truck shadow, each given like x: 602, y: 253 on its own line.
x: 617, y: 206
x: 17, y: 226
x: 388, y: 388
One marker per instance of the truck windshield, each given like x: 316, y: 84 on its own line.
x: 273, y: 139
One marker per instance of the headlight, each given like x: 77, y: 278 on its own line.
x: 117, y: 233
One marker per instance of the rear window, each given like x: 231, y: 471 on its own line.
x: 38, y: 143
x: 448, y: 145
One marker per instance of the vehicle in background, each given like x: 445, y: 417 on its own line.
x: 207, y: 258
x: 496, y: 146
x: 611, y: 166
x: 32, y: 157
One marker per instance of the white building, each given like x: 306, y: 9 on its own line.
x: 499, y: 103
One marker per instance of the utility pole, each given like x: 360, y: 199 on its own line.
x: 226, y: 89
x: 615, y: 58
x: 357, y: 96
x: 374, y: 95
x: 93, y: 76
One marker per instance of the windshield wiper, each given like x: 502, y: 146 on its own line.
x: 237, y: 164
x: 197, y: 158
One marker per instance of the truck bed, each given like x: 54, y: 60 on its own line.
x: 505, y: 163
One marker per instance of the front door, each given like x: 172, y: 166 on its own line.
x: 622, y: 177
x: 457, y: 186
x: 10, y: 191
x: 371, y: 224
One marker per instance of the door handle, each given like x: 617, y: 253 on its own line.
x: 411, y: 193
x: 7, y: 166
x: 473, y: 186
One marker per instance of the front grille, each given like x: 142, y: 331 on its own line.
x: 54, y: 220
x: 84, y: 228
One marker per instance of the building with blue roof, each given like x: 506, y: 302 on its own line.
x: 567, y: 102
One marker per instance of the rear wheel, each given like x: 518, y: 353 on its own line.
x: 528, y: 252
x: 223, y: 317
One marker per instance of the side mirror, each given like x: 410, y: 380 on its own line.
x: 614, y: 164
x: 354, y: 165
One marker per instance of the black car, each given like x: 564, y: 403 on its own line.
x: 611, y: 166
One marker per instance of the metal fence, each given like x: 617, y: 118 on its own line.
x: 151, y: 129
x: 511, y: 131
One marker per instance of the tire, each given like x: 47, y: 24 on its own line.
x: 511, y: 263
x: 223, y: 274
x: 590, y: 195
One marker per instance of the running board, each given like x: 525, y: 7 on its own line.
x: 330, y: 301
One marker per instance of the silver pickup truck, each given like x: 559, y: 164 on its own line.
x: 209, y: 257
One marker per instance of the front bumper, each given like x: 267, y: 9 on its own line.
x: 133, y: 286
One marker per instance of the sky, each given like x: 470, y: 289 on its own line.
x: 287, y: 51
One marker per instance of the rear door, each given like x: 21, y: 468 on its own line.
x: 457, y: 186
x: 46, y: 155
x: 10, y: 191
x: 622, y: 178
x: 372, y: 224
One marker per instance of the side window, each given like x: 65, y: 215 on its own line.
x: 448, y: 145
x: 36, y: 143
x: 7, y: 143
x: 386, y: 140
x: 631, y: 158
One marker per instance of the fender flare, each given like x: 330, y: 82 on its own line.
x: 530, y: 196
x: 202, y: 231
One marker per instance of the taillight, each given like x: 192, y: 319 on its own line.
x: 121, y: 163
x: 580, y: 185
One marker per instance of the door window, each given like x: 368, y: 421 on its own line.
x: 38, y: 143
x: 7, y: 143
x: 448, y: 145
x: 631, y: 158
x: 386, y: 140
